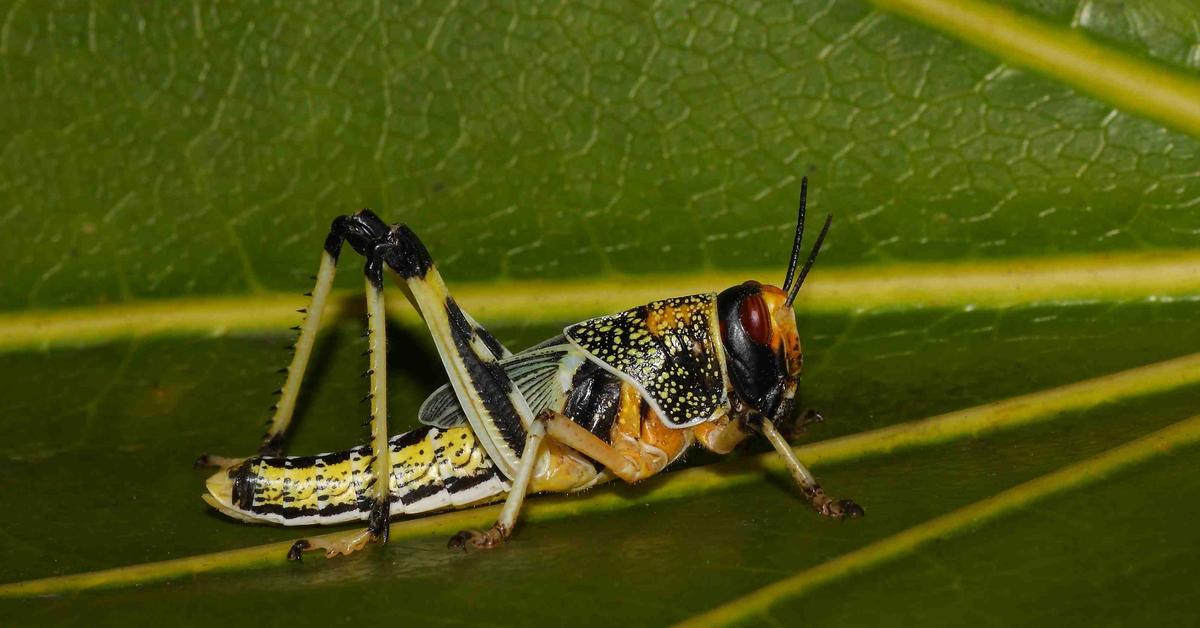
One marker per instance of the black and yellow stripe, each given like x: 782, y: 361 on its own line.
x: 432, y: 469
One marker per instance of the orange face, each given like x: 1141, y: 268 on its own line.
x: 759, y: 337
x: 784, y: 335
x: 762, y: 347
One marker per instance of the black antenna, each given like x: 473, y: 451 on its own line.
x: 787, y: 280
x: 812, y: 257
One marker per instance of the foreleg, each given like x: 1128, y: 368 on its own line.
x: 824, y: 504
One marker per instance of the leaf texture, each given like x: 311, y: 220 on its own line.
x: 1000, y: 332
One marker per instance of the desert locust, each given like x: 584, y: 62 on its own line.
x: 617, y: 396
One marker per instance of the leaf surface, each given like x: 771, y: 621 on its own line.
x: 169, y: 150
x: 1012, y: 255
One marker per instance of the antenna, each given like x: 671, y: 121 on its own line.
x: 787, y: 280
x: 812, y: 257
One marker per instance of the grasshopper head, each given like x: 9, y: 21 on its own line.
x: 759, y: 335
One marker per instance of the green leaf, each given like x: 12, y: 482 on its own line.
x: 173, y: 150
x: 1001, y: 330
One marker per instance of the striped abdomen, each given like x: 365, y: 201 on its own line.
x: 432, y: 469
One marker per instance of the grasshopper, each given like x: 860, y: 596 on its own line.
x: 618, y: 396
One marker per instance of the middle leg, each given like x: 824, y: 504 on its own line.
x: 630, y: 466
x: 362, y: 231
x: 502, y: 529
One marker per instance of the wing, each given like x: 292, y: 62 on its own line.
x: 536, y: 373
x: 668, y: 349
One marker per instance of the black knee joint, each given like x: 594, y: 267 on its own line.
x: 296, y: 552
x: 406, y: 254
x: 363, y: 230
x: 399, y: 248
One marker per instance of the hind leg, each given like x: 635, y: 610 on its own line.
x: 272, y: 441
x: 359, y: 230
x: 493, y: 405
x: 470, y: 355
x: 364, y: 232
x: 380, y: 488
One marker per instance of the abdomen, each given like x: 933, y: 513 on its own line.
x: 432, y: 469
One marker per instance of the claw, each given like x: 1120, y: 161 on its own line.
x: 851, y: 510
x: 809, y: 417
x: 342, y: 544
x: 842, y: 509
x: 474, y: 539
x: 462, y: 538
x: 296, y: 552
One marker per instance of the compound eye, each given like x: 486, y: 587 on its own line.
x: 755, y: 319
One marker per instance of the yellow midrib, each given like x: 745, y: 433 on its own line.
x: 1042, y: 406
x: 990, y: 284
x: 1092, y: 470
x: 1149, y: 89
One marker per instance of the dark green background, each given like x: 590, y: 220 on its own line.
x: 155, y: 151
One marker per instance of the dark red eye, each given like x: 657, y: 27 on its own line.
x: 755, y: 318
